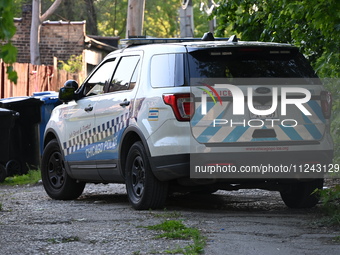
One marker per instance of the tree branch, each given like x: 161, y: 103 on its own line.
x: 50, y: 10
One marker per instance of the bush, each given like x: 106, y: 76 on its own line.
x: 73, y: 65
x: 330, y: 199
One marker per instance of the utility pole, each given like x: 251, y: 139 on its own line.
x: 135, y: 18
x: 186, y: 19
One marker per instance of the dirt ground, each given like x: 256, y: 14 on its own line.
x: 102, y: 222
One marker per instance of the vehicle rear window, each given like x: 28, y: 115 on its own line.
x: 249, y: 62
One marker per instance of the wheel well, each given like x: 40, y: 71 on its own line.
x: 128, y: 140
x: 49, y: 136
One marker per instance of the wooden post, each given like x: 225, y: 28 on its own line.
x: 135, y: 18
x: 186, y: 19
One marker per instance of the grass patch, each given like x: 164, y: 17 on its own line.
x: 330, y: 199
x: 32, y: 177
x: 167, y: 215
x: 336, y: 239
x: 175, y: 229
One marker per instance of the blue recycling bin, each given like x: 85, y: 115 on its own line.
x: 50, y: 100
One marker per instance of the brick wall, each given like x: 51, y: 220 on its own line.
x: 21, y: 39
x: 61, y: 40
x: 57, y: 38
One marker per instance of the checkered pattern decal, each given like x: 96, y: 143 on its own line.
x: 96, y: 134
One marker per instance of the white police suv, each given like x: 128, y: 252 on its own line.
x: 161, y: 115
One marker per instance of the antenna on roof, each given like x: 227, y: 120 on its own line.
x: 208, y: 37
x: 233, y: 38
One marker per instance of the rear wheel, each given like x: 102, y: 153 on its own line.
x: 300, y: 194
x: 143, y: 189
x: 57, y: 183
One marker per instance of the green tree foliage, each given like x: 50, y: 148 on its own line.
x: 71, y: 10
x: 201, y: 21
x: 73, y: 65
x: 7, y: 29
x: 19, y: 4
x: 108, y: 17
x: 111, y: 17
x: 161, y: 18
x: 312, y: 25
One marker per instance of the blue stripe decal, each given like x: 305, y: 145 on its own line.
x: 210, y: 131
x: 207, y: 134
x: 317, y: 109
x: 291, y: 133
x: 312, y: 128
x: 314, y: 131
x: 198, y: 116
x: 235, y: 134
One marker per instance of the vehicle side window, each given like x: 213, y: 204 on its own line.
x: 167, y: 70
x: 125, y: 76
x: 101, y: 78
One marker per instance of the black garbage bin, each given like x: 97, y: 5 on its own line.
x: 7, y: 122
x: 25, y: 133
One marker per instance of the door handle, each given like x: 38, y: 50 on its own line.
x: 89, y: 108
x: 125, y: 103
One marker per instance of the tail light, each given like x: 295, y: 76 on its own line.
x: 326, y: 104
x: 181, y: 104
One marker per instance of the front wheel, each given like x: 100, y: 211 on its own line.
x: 57, y: 183
x: 143, y: 189
x: 301, y: 194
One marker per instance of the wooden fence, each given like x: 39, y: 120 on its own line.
x: 33, y: 78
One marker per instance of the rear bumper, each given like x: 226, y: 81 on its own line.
x: 172, y: 167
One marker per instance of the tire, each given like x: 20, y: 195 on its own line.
x: 13, y: 167
x: 3, y: 173
x: 143, y: 189
x: 57, y: 183
x: 299, y: 194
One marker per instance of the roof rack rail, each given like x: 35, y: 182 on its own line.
x: 142, y: 40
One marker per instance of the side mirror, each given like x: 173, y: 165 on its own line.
x: 71, y: 83
x: 67, y: 93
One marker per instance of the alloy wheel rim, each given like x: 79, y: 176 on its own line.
x: 138, y: 176
x: 56, y: 170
